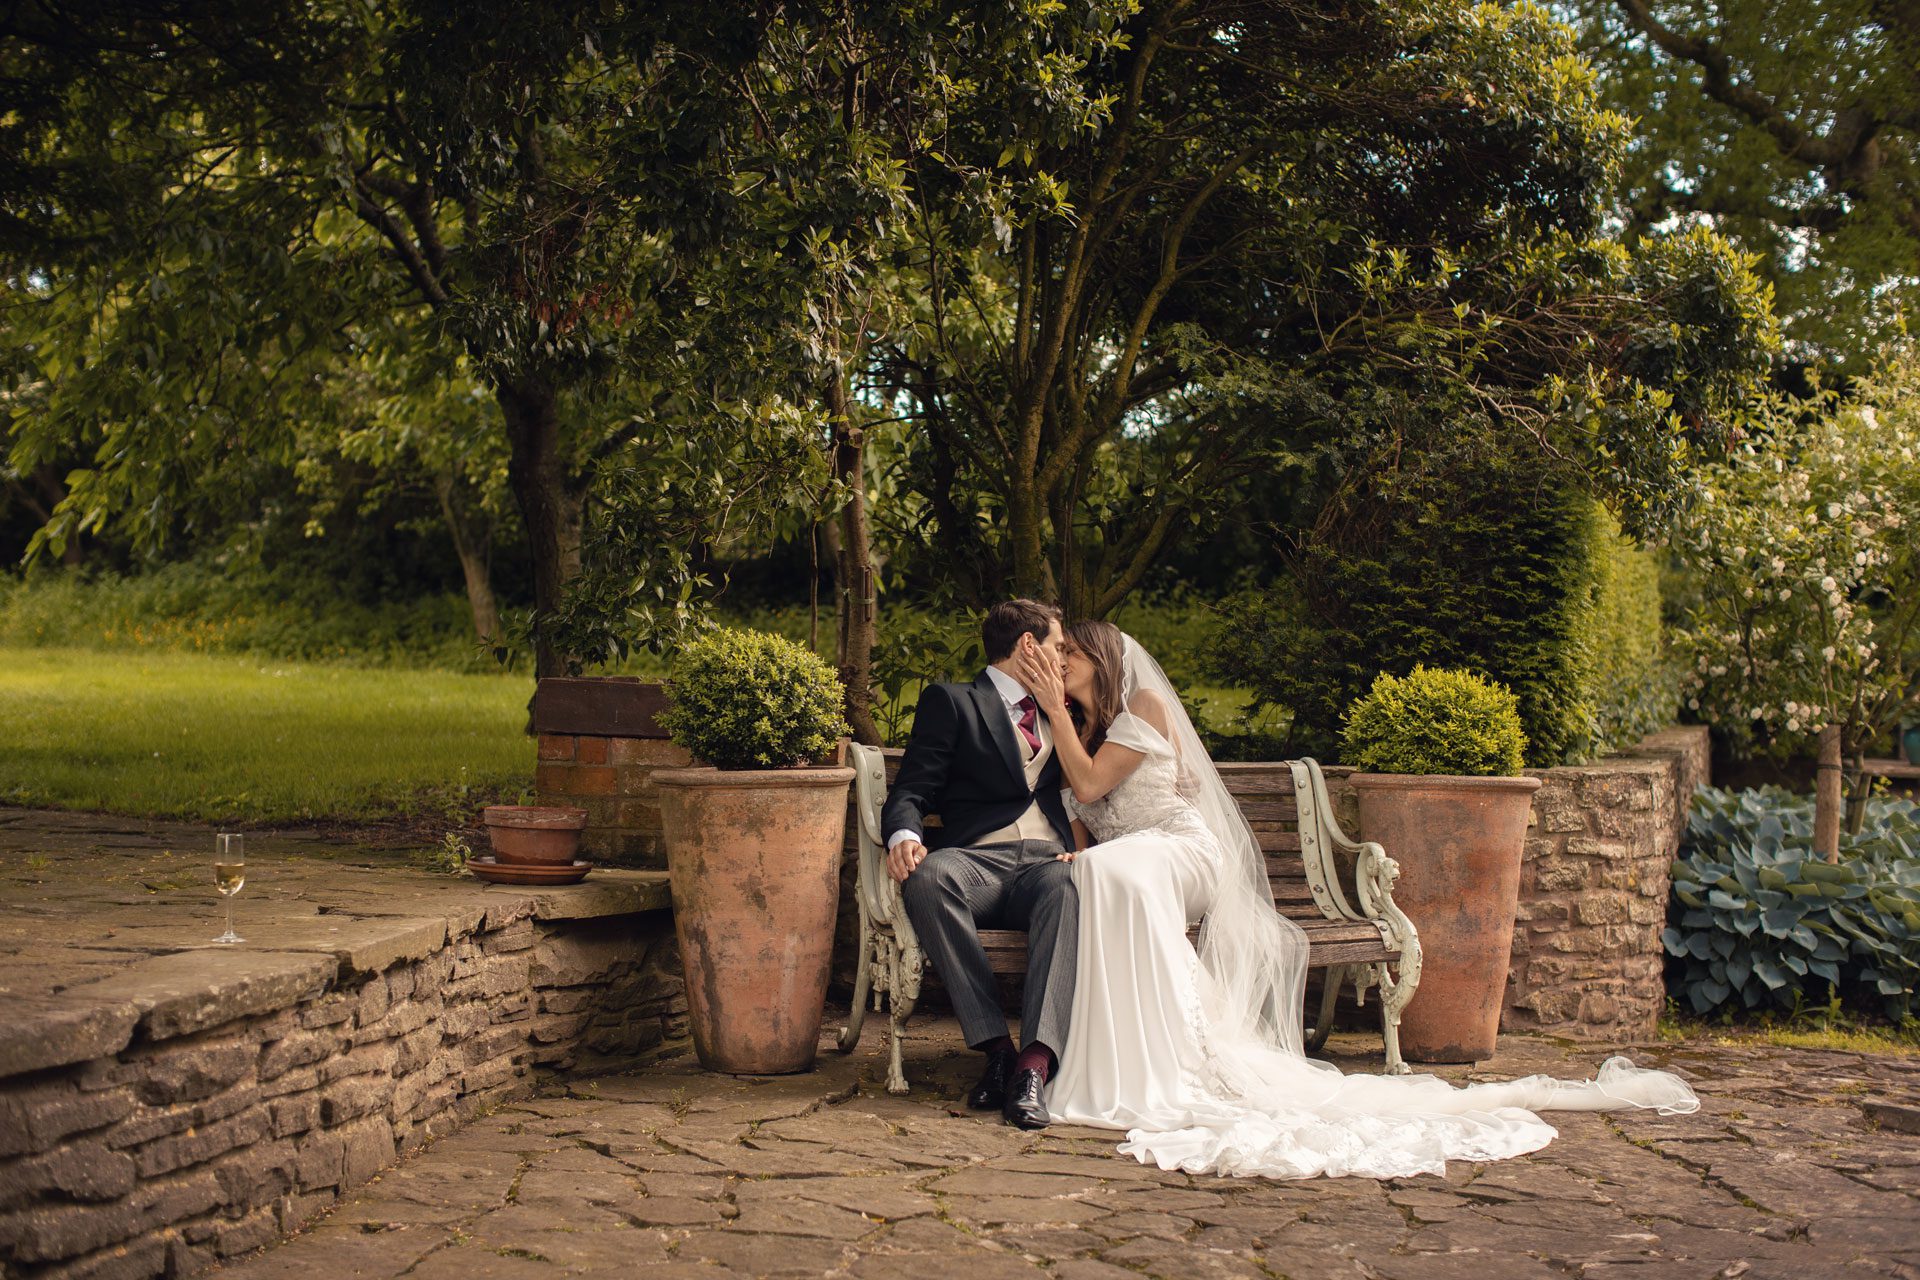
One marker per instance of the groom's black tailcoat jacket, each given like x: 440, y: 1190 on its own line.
x: 963, y: 763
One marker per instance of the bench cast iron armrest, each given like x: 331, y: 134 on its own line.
x: 1374, y: 874
x: 890, y: 961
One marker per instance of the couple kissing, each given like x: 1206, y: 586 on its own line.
x: 1078, y: 804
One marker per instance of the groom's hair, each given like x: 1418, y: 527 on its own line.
x: 1007, y: 621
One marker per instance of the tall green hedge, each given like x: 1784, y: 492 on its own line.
x: 1491, y: 570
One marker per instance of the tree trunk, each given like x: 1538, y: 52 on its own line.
x: 853, y: 564
x: 1826, y: 797
x: 1026, y: 530
x: 551, y: 502
x: 1859, y: 787
x: 472, y: 552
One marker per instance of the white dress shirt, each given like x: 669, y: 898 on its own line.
x: 1011, y: 692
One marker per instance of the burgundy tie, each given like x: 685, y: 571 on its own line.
x: 1030, y: 722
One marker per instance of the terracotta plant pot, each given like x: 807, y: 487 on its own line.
x: 754, y: 860
x: 534, y: 834
x: 1459, y: 842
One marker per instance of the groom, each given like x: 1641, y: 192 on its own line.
x: 981, y: 757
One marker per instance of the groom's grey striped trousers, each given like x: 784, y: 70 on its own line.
x: 955, y: 893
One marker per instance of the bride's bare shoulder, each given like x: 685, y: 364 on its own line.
x: 1151, y: 707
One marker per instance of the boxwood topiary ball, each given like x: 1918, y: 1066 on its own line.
x: 750, y: 700
x: 1436, y: 721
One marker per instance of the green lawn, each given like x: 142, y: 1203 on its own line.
x: 218, y: 737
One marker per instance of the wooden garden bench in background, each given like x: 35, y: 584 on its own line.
x: 1339, y: 891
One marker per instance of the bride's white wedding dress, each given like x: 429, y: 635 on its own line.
x: 1162, y: 1046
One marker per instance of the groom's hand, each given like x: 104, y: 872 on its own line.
x: 902, y: 858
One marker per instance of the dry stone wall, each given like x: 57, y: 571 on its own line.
x: 241, y: 1103
x: 1587, y: 960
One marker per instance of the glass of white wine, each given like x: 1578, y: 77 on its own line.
x: 229, y: 873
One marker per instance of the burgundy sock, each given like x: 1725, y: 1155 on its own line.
x: 1036, y: 1057
x: 995, y: 1045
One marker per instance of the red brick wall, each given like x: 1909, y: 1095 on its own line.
x: 612, y: 779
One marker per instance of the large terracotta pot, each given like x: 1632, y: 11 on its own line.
x: 754, y: 860
x: 1459, y: 842
x: 541, y: 835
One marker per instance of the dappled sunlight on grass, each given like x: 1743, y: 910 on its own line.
x: 209, y: 736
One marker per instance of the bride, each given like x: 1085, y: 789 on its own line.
x: 1198, y: 1054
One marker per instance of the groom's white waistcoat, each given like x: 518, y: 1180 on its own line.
x: 1033, y: 824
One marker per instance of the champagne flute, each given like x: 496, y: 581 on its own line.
x: 229, y: 873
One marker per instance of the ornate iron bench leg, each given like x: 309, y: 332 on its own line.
x: 1393, y: 998
x: 849, y: 1037
x: 1329, y: 996
x: 904, y: 987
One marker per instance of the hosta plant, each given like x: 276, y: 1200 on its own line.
x: 1758, y: 921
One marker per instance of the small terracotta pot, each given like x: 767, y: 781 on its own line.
x: 1459, y: 843
x: 753, y: 856
x: 534, y: 834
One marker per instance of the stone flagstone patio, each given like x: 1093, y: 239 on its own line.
x: 1796, y: 1167
x: 1802, y: 1163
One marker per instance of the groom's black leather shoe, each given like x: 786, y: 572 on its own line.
x: 1024, y: 1109
x: 990, y: 1094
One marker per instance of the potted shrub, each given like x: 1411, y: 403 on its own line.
x: 753, y: 844
x: 1441, y: 754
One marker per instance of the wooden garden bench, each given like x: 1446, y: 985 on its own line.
x: 1339, y: 891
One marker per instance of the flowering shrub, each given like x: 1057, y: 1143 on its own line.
x: 1808, y: 582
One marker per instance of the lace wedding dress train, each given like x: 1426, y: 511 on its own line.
x: 1161, y: 1045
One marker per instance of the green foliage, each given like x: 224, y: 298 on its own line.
x: 1802, y: 150
x: 1445, y: 260
x: 200, y: 608
x: 751, y: 700
x: 1757, y: 920
x: 1482, y: 563
x: 915, y: 647
x: 640, y: 587
x: 1435, y: 720
x: 1805, y: 569
x: 1629, y: 678
x: 448, y: 858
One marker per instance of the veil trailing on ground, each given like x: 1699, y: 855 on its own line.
x: 1254, y: 957
x: 1266, y: 1108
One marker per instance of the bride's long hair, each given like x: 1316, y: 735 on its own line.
x: 1106, y: 648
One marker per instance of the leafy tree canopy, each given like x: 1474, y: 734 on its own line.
x: 1791, y: 125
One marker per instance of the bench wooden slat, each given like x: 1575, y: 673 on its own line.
x: 1328, y: 941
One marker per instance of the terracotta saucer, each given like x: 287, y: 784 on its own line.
x: 529, y: 872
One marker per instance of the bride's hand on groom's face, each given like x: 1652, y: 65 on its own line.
x: 1040, y: 673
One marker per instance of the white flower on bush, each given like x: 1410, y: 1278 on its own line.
x: 1784, y: 631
